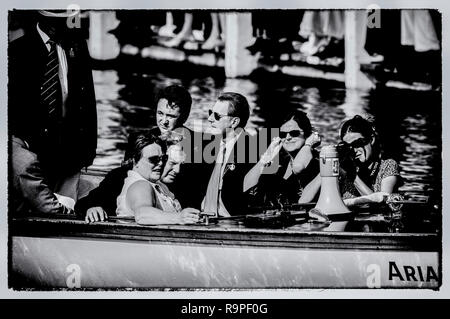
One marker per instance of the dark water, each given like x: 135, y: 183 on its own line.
x: 409, y: 122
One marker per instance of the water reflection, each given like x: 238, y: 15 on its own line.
x: 409, y: 123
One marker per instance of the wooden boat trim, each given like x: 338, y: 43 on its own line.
x: 232, y: 235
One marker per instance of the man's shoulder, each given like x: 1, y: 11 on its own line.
x: 30, y: 35
x: 118, y: 173
x: 23, y: 158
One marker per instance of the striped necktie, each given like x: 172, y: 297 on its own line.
x: 51, y: 95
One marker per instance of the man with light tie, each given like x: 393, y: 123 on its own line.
x: 228, y: 117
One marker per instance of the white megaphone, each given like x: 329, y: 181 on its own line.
x: 330, y: 202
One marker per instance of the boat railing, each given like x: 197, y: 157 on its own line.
x: 221, y: 234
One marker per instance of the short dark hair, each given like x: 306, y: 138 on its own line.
x: 238, y: 106
x: 366, y: 128
x: 142, y: 141
x: 301, y: 119
x: 179, y: 96
x: 358, y: 124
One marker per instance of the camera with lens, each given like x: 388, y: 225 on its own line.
x: 347, y: 163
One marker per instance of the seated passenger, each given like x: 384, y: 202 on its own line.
x: 173, y: 105
x: 293, y: 151
x: 175, y: 158
x: 143, y: 195
x: 101, y: 202
x: 374, y: 177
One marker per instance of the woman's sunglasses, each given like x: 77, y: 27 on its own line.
x: 294, y: 133
x: 156, y: 159
x: 217, y: 116
x: 360, y: 142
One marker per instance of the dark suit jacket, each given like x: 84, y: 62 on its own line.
x: 64, y: 147
x: 243, y: 157
x: 191, y: 183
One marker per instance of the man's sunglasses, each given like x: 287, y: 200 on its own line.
x: 294, y: 133
x: 156, y: 159
x: 217, y: 116
x: 360, y: 142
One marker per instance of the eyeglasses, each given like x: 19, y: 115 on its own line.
x: 360, y: 142
x: 217, y: 116
x: 294, y: 133
x: 156, y: 159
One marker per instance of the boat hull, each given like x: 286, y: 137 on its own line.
x: 131, y: 256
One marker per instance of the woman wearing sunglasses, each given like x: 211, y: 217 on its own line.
x: 374, y: 177
x: 143, y: 195
x: 292, y: 153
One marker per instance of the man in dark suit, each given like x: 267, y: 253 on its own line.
x: 51, y: 106
x: 236, y: 154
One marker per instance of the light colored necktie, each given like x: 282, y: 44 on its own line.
x: 212, y: 193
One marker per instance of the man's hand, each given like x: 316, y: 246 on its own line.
x: 95, y: 214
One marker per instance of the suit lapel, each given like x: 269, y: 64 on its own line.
x: 35, y: 41
x: 232, y: 161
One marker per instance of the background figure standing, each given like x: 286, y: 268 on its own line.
x: 319, y: 27
x: 52, y: 107
x: 417, y: 29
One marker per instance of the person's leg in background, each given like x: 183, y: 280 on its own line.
x: 312, y: 27
x: 363, y: 56
x: 417, y: 29
x: 167, y: 30
x: 216, y: 37
x: 184, y: 35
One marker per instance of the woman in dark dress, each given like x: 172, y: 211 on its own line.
x: 287, y: 165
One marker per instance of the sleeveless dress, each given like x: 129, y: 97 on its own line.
x: 165, y: 200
